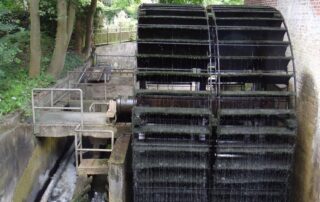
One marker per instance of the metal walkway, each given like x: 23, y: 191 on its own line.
x: 50, y: 119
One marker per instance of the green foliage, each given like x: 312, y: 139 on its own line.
x: 12, y: 21
x: 181, y: 1
x: 17, y: 92
x: 132, y: 10
x: 8, y: 53
x: 48, y: 9
x: 72, y: 61
x: 83, y: 3
x: 12, y: 5
x: 225, y: 2
x: 11, y: 46
x: 5, y: 28
x: 8, y: 22
x: 204, y: 2
x: 15, y: 85
x: 13, y: 40
x: 130, y: 7
x: 47, y: 46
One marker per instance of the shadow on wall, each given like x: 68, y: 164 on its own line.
x: 305, y: 170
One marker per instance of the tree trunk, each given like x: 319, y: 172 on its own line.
x: 78, y: 36
x: 35, y: 40
x: 66, y: 18
x: 71, y: 20
x: 89, y: 28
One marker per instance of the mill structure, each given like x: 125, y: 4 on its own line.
x: 215, y: 112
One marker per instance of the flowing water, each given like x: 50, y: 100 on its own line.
x: 63, y: 190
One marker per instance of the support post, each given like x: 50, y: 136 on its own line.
x: 118, y: 169
x: 120, y: 34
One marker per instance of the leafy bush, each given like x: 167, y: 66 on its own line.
x: 205, y: 2
x: 181, y: 1
x: 13, y: 41
x: 110, y: 11
x: 17, y: 92
x: 13, y: 5
x: 11, y: 47
x: 15, y: 85
x: 73, y: 61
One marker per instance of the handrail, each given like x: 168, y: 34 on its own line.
x: 78, y: 146
x: 52, y: 102
x: 92, y: 107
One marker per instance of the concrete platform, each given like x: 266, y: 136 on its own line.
x: 63, y: 124
x: 65, y: 130
x: 118, y: 170
x: 93, y: 167
x: 67, y: 117
x: 54, y: 130
x: 98, y: 131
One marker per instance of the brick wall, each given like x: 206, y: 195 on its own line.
x: 303, y: 20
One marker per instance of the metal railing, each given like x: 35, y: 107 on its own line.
x: 92, y: 107
x: 78, y: 140
x: 84, y: 81
x: 115, y: 35
x: 116, y: 61
x: 50, y: 104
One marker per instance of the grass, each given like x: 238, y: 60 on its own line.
x: 15, y: 93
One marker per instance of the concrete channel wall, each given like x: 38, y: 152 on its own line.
x: 303, y: 20
x: 25, y: 160
x: 16, y: 147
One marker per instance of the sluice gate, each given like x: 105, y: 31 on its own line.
x: 215, y: 108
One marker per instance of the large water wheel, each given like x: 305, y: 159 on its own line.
x: 215, y: 118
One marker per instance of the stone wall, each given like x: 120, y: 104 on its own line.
x: 118, y: 51
x: 303, y: 20
x: 116, y: 55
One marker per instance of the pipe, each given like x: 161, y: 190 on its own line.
x: 124, y: 108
